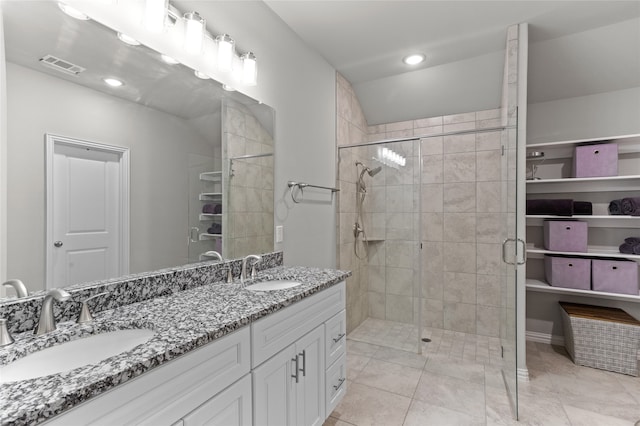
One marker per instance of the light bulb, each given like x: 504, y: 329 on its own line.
x: 169, y: 60
x: 155, y: 13
x: 193, y: 32
x: 249, y: 69
x: 226, y: 52
x: 113, y: 82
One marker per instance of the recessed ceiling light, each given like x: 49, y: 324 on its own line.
x: 113, y: 82
x: 414, y: 59
x: 128, y: 40
x: 169, y: 60
x: 73, y: 12
x: 228, y: 88
x: 201, y: 75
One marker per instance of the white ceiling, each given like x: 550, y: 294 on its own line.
x: 366, y: 40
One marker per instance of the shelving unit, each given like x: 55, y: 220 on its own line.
x: 554, y: 181
x: 210, y: 181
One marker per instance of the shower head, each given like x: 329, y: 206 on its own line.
x: 370, y: 172
x: 374, y: 171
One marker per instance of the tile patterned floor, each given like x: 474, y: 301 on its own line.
x: 457, y: 381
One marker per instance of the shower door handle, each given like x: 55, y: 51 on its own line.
x: 504, y: 251
x: 524, y: 251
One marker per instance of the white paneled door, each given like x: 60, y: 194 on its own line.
x: 87, y: 211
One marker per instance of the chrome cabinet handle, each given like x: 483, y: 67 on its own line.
x: 303, y: 354
x: 340, y: 382
x: 297, y: 369
x: 57, y: 244
x: 340, y: 336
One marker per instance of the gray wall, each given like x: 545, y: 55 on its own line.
x: 300, y: 85
x: 39, y: 104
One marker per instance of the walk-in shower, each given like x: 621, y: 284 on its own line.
x: 361, y: 192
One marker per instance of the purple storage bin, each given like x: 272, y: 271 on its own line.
x: 615, y: 276
x: 595, y: 160
x: 565, y: 235
x: 569, y: 272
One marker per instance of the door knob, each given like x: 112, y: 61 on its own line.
x: 58, y: 244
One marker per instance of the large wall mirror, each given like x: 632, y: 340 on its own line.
x: 200, y: 157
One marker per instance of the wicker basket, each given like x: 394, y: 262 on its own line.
x: 604, y: 338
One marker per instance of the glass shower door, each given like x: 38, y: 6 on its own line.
x: 513, y: 255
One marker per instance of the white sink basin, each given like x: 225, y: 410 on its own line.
x: 273, y: 285
x: 76, y: 353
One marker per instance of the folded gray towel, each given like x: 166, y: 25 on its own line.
x: 627, y: 248
x: 615, y: 207
x: 631, y: 206
x: 632, y: 240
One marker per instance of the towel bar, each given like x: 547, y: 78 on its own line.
x: 301, y: 185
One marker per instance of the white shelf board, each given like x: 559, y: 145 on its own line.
x: 206, y: 196
x: 210, y: 236
x: 632, y: 138
x: 592, y: 251
x: 543, y: 287
x: 211, y: 176
x: 210, y: 216
x: 596, y: 221
x: 591, y: 184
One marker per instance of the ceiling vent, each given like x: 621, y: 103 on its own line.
x: 61, y: 65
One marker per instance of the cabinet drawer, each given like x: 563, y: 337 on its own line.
x: 274, y: 332
x: 165, y: 394
x: 231, y: 407
x: 335, y: 337
x: 336, y: 383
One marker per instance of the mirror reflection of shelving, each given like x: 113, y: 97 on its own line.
x: 211, y: 213
x: 553, y: 180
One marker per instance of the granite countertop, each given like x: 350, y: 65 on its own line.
x: 182, y: 322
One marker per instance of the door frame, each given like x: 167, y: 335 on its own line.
x: 51, y: 141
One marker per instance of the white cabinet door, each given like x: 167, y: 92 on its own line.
x: 310, y: 388
x: 273, y: 387
x: 231, y: 407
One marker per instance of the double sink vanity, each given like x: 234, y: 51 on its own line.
x: 182, y: 347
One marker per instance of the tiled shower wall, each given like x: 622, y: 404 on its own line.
x: 351, y: 128
x: 462, y: 220
x: 248, y: 212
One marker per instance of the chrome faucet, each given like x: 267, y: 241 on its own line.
x: 18, y: 286
x: 214, y: 254
x: 243, y: 271
x: 47, y: 322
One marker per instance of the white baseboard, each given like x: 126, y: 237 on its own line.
x: 548, y: 339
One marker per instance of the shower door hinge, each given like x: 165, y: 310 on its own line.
x: 503, y: 150
x: 501, y: 351
x: 420, y: 246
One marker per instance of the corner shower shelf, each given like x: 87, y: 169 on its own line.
x: 373, y: 240
x: 543, y: 287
